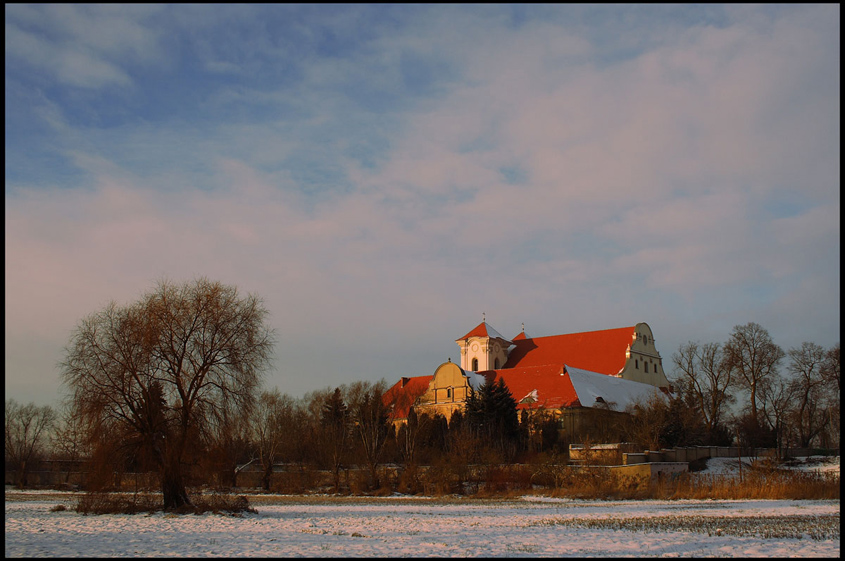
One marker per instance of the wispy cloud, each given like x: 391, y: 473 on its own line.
x: 382, y: 175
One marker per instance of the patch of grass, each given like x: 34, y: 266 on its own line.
x: 769, y: 527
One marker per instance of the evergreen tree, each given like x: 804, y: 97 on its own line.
x: 491, y: 413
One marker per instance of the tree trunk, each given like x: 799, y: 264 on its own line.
x: 173, y: 487
x: 268, y: 471
x: 374, y: 481
x: 22, y: 475
x: 336, y: 473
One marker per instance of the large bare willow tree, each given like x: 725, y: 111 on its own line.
x: 156, y: 371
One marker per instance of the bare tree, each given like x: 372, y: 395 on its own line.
x: 274, y: 430
x: 776, y: 398
x: 805, y: 364
x: 159, y: 367
x: 753, y: 358
x: 371, y: 426
x: 647, y: 420
x: 70, y: 438
x: 831, y: 370
x: 227, y: 441
x: 407, y: 437
x: 26, y: 431
x: 334, y: 431
x: 831, y: 374
x: 707, y: 377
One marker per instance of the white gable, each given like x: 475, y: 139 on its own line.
x: 619, y: 393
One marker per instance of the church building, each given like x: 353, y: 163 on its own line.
x: 583, y: 379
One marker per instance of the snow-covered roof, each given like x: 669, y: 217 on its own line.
x: 619, y: 393
x: 475, y: 379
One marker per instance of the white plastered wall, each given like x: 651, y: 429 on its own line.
x: 644, y: 363
x: 484, y: 349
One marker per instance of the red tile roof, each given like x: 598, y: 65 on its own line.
x: 401, y: 398
x: 483, y: 329
x: 553, y: 389
x: 597, y: 351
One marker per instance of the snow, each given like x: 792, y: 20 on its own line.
x: 475, y: 379
x: 730, y: 466
x: 403, y: 527
x: 493, y: 333
x: 591, y: 385
x: 530, y: 397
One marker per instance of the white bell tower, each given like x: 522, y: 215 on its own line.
x: 483, y: 348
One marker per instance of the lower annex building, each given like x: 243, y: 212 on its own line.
x: 585, y: 380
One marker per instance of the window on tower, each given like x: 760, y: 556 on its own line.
x: 475, y: 365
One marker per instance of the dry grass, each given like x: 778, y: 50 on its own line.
x: 757, y: 484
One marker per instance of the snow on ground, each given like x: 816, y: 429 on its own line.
x: 529, y: 527
x: 730, y: 466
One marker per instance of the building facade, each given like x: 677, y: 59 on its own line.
x: 584, y: 379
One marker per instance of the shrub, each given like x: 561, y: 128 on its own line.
x: 99, y: 502
x: 409, y: 481
x: 120, y: 503
x: 504, y: 479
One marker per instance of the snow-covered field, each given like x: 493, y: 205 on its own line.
x: 533, y: 526
x: 412, y: 527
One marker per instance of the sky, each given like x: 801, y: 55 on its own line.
x: 384, y: 176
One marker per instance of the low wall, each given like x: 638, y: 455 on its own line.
x: 693, y: 453
x: 653, y: 470
x: 634, y: 458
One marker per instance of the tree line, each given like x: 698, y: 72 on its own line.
x: 748, y: 391
x: 171, y: 385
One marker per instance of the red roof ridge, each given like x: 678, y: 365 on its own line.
x: 601, y: 351
x: 483, y: 329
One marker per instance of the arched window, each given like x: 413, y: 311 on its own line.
x: 636, y: 364
x: 496, y: 364
x: 646, y: 367
x: 475, y: 365
x: 448, y: 393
